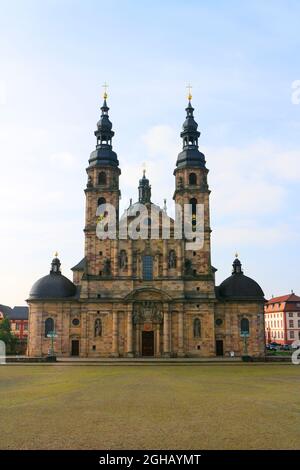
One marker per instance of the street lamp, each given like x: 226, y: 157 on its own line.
x: 245, y: 335
x: 51, y: 335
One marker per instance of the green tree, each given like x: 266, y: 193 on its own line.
x: 7, y: 336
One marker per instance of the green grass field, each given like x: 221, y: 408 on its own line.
x: 246, y: 406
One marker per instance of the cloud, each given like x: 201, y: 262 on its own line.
x: 63, y: 160
x: 244, y: 181
x: 160, y: 149
x: 161, y: 142
x: 248, y: 184
x: 251, y: 232
x: 3, y: 93
x: 251, y: 180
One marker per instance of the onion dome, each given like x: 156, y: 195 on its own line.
x: 190, y: 156
x: 239, y: 287
x: 104, y: 155
x: 53, y: 286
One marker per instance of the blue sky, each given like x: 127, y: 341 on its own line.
x: 241, y: 59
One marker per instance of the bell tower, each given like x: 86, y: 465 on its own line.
x: 191, y: 188
x: 102, y: 188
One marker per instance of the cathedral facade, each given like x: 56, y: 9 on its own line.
x: 152, y: 296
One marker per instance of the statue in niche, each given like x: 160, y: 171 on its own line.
x: 114, y: 182
x: 123, y: 259
x: 180, y: 182
x: 90, y: 182
x: 172, y: 259
x: 98, y: 328
x: 107, y: 267
x: 204, y: 184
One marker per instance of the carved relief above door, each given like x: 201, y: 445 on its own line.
x: 147, y: 311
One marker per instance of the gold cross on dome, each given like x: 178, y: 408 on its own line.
x: 105, y: 86
x: 189, y: 87
x: 144, y: 168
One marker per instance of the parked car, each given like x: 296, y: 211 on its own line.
x: 272, y: 346
x: 285, y: 347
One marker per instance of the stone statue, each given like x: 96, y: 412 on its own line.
x: 98, y: 328
x: 90, y: 182
x: 115, y: 182
x: 180, y: 182
x: 123, y: 259
x: 172, y: 259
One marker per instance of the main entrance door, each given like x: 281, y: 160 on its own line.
x: 219, y: 347
x: 148, y: 343
x: 75, y: 347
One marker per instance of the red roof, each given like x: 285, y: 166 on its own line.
x: 284, y: 298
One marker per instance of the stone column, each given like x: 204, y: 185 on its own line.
x: 156, y: 261
x: 165, y: 258
x: 137, y: 340
x: 180, y: 333
x: 166, y: 333
x: 115, y: 346
x: 179, y: 258
x: 129, y: 331
x: 115, y: 263
x: 129, y: 255
x: 138, y: 265
x: 157, y: 342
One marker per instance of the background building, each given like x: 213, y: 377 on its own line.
x: 18, y: 317
x: 282, y: 319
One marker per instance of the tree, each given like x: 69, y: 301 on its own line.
x: 7, y: 336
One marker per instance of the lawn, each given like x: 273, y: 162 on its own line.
x: 245, y: 406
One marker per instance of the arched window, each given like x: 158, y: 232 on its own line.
x: 197, y: 328
x: 101, y: 201
x: 193, y: 178
x: 98, y: 328
x: 193, y: 203
x: 102, y: 177
x: 245, y: 327
x: 148, y: 268
x: 49, y: 326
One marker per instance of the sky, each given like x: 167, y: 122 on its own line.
x: 242, y: 59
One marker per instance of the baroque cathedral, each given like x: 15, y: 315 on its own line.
x: 146, y: 296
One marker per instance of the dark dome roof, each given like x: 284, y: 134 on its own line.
x: 239, y: 286
x: 104, y: 123
x: 190, y: 124
x: 53, y: 286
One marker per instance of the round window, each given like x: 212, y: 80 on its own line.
x: 75, y: 322
x: 219, y: 321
